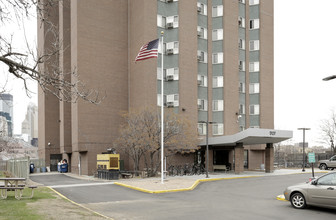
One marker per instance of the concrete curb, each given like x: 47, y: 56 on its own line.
x: 281, y: 198
x: 196, y: 183
x: 182, y: 189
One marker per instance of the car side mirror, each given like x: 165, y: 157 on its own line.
x: 314, y: 182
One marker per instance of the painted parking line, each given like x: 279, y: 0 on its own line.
x: 79, y: 205
x: 78, y: 185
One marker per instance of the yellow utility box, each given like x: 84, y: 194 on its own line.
x: 108, y: 162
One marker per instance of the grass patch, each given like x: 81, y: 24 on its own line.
x: 12, y: 208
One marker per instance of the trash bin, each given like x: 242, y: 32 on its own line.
x: 64, y: 168
x: 32, y: 166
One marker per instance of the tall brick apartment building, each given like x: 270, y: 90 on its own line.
x: 218, y: 68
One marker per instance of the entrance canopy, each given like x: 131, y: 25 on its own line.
x: 251, y: 136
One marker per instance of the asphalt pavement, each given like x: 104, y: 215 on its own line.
x: 245, y: 198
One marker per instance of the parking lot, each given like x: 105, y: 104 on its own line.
x: 248, y: 198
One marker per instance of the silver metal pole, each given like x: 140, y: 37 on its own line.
x: 303, y: 149
x: 207, y: 149
x: 162, y: 111
x: 304, y: 158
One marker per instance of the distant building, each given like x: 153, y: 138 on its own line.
x: 29, y: 126
x: 3, y: 127
x: 6, y: 111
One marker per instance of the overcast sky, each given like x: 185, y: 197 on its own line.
x: 304, y: 54
x: 304, y: 45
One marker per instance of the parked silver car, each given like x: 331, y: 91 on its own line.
x: 318, y: 192
x: 328, y: 164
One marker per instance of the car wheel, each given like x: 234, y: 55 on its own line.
x: 298, y: 201
x: 323, y: 166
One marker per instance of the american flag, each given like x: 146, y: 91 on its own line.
x: 149, y: 50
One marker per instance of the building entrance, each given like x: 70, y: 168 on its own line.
x: 221, y: 157
x: 54, y: 159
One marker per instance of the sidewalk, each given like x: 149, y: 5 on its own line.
x: 184, y: 183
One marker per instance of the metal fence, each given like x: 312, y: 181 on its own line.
x: 283, y: 160
x: 38, y: 164
x: 20, y: 167
x: 3, y: 165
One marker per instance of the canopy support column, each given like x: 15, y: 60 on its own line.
x: 269, y: 158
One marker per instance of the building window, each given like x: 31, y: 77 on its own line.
x: 217, y: 11
x: 217, y: 105
x: 254, y: 24
x: 171, y: 74
x: 167, y: 22
x: 202, y: 80
x: 161, y: 21
x: 241, y: 1
x: 202, y: 104
x: 241, y: 44
x: 242, y: 109
x: 217, y: 81
x: 242, y: 87
x: 202, y: 56
x: 217, y: 58
x: 254, y: 88
x: 217, y: 34
x: 254, y: 45
x: 254, y: 67
x: 218, y: 129
x: 171, y: 47
x: 172, y: 22
x: 254, y: 109
x: 201, y: 128
x: 172, y: 100
x: 254, y: 2
x: 241, y: 66
x: 202, y: 8
x: 241, y: 22
x: 202, y: 32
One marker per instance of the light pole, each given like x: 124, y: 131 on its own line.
x: 331, y: 141
x: 329, y: 78
x: 207, y: 146
x: 303, y: 152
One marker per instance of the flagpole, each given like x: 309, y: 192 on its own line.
x: 162, y: 112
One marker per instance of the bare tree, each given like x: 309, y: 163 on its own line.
x: 140, y: 137
x: 328, y: 131
x: 27, y: 65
